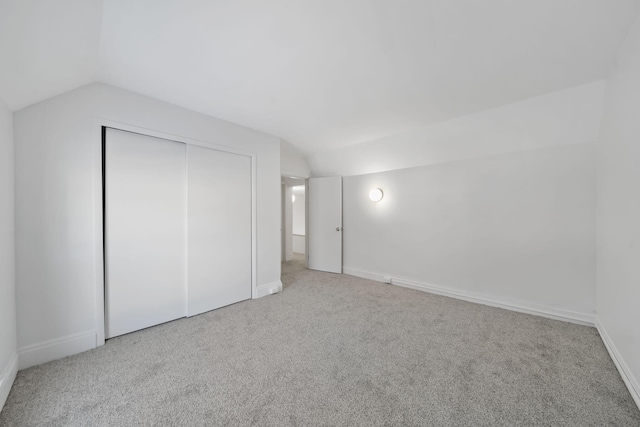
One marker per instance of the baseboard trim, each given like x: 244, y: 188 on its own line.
x: 36, y: 354
x: 268, y: 289
x: 8, y: 377
x: 627, y: 376
x: 521, y: 307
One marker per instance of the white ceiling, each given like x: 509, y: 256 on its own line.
x: 321, y: 74
x: 47, y: 48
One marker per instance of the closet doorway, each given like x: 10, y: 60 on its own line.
x: 178, y: 229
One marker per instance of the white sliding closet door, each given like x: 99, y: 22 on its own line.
x: 145, y: 231
x: 219, y: 236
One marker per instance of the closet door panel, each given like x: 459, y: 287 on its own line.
x: 219, y: 232
x: 145, y: 231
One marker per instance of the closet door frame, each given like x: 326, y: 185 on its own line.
x: 99, y: 128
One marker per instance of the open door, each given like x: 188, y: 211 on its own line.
x: 324, y: 235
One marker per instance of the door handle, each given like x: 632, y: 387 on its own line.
x: 337, y: 228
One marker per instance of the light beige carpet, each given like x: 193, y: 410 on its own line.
x: 334, y: 350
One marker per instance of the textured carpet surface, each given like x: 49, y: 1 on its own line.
x: 334, y: 350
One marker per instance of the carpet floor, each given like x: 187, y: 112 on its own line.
x: 334, y: 350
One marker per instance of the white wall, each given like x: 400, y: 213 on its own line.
x: 292, y: 162
x: 618, y: 286
x: 498, y: 206
x: 283, y: 225
x: 560, y: 118
x: 299, y: 244
x: 287, y: 223
x: 516, y: 228
x: 56, y: 179
x: 298, y: 213
x: 8, y: 361
x: 299, y: 221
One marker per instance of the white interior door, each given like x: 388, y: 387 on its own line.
x: 325, y: 224
x: 219, y: 218
x: 145, y: 231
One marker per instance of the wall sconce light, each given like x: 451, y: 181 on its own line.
x: 293, y: 198
x: 375, y: 195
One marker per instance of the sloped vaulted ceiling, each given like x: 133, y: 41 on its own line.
x: 320, y: 74
x: 47, y: 48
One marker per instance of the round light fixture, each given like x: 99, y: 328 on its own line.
x: 375, y: 195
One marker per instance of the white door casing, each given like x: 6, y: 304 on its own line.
x: 179, y: 230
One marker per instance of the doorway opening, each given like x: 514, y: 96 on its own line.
x: 294, y: 219
x: 298, y: 200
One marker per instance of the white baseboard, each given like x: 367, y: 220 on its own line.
x: 268, y: 289
x: 36, y: 354
x: 627, y: 376
x: 8, y: 376
x: 521, y: 307
x: 377, y: 277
